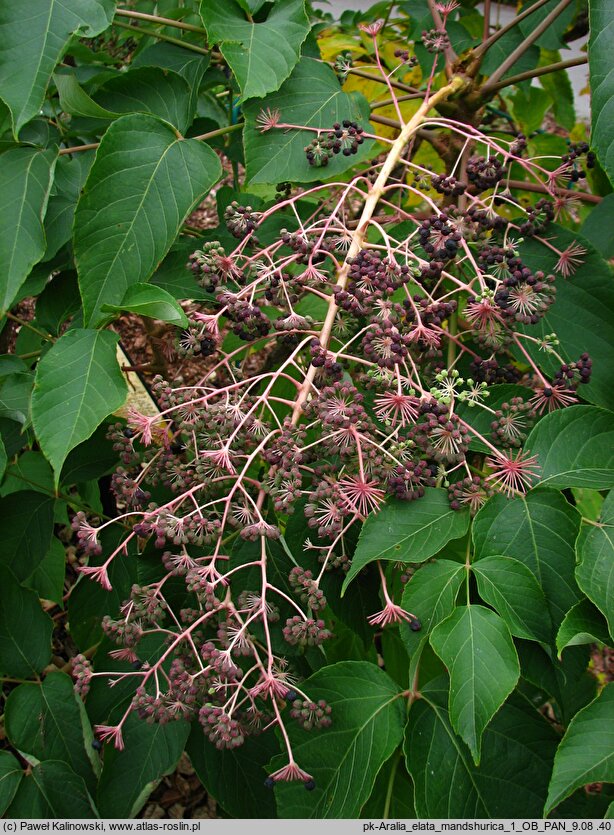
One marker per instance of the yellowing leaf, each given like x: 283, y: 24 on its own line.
x: 333, y: 45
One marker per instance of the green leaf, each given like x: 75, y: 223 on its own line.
x: 235, y: 777
x: 15, y: 395
x: 588, y: 502
x: 598, y: 228
x: 601, y: 23
x: 26, y: 175
x: 475, y: 645
x: 552, y: 38
x: 58, y: 301
x: 129, y: 776
x: 10, y: 778
x: 567, y: 680
x: 142, y: 186
x: 538, y: 529
x: 529, y: 106
x: 151, y: 301
x: 430, y: 595
x: 47, y: 579
x: 52, y: 790
x: 34, y: 43
x: 161, y: 92
x: 78, y: 383
x: 512, y: 589
x: 583, y: 624
x: 582, y: 315
x: 500, y: 50
x: 3, y: 458
x: 311, y: 97
x: 26, y: 528
x: 586, y: 752
x: 575, y: 448
x: 31, y: 471
x: 393, y: 793
x: 512, y: 779
x: 74, y: 99
x: 262, y: 55
x: 188, y: 64
x: 90, y: 460
x: 25, y: 630
x: 368, y: 718
x: 558, y: 86
x: 408, y: 531
x: 46, y: 723
x: 595, y: 571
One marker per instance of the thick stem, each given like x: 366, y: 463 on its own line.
x: 386, y: 102
x: 164, y: 21
x: 523, y: 76
x: 563, y: 192
x: 398, y: 85
x: 522, y: 48
x: 140, y: 30
x: 486, y: 20
x: 377, y: 189
x: 203, y: 136
x: 486, y: 44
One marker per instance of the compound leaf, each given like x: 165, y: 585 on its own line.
x: 475, y: 645
x: 142, y: 185
x: 595, y: 571
x: 575, y: 448
x: 27, y: 62
x: 26, y: 175
x: 408, y: 531
x: 262, y: 55
x: 367, y: 727
x: 78, y: 383
x: 538, y: 529
x: 586, y: 752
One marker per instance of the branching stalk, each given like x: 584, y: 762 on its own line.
x: 358, y: 236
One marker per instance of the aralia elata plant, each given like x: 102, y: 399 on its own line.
x: 345, y: 533
x: 374, y: 413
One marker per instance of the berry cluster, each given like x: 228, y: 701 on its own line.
x: 345, y: 138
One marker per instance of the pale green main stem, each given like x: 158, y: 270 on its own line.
x: 455, y: 85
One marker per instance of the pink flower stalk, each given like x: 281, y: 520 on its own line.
x: 513, y: 474
x: 267, y: 119
x: 391, y: 613
x: 447, y: 8
x: 289, y: 773
x: 372, y: 29
x: 396, y: 408
x: 141, y: 424
x: 484, y: 314
x: 362, y: 496
x: 423, y: 334
x: 551, y: 398
x: 124, y: 654
x: 110, y: 733
x: 570, y: 259
x: 220, y: 459
x: 269, y: 686
x: 210, y: 322
x: 97, y: 573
